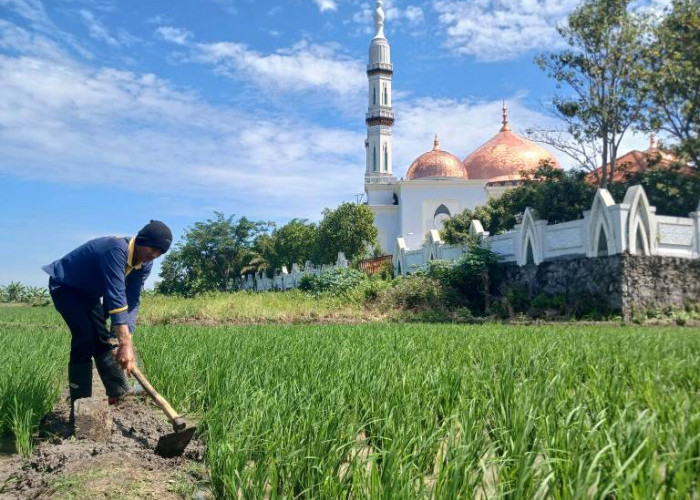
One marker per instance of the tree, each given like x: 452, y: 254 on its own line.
x: 672, y: 190
x: 210, y: 257
x: 601, y: 67
x: 348, y: 229
x: 293, y: 243
x: 585, y: 154
x: 555, y: 195
x: 671, y: 78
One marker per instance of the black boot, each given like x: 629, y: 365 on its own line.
x: 112, y: 375
x: 79, y: 383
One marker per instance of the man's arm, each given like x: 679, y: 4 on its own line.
x: 134, y: 284
x: 113, y: 265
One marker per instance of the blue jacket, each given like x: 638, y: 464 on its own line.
x: 104, y: 267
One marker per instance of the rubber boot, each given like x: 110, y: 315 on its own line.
x: 112, y: 375
x: 79, y: 383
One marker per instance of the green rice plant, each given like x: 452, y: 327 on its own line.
x: 416, y: 411
x: 32, y: 367
x: 428, y: 411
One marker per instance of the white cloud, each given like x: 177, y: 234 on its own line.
x: 80, y: 125
x: 326, y: 5
x: 173, y: 35
x: 496, y: 30
x: 31, y: 10
x: 502, y: 30
x: 301, y: 67
x: 100, y: 32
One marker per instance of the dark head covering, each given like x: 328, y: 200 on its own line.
x: 155, y: 234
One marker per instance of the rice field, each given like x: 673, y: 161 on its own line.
x: 33, y: 361
x: 419, y: 411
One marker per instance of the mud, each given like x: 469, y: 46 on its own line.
x: 125, y: 467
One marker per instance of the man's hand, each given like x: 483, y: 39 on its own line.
x: 125, y: 352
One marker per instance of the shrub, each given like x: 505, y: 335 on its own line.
x: 336, y: 282
x: 416, y: 292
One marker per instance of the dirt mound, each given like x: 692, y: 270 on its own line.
x: 126, y: 468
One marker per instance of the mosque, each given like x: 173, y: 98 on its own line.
x: 437, y: 184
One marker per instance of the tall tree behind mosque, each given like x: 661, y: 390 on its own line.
x: 600, y: 69
x: 671, y: 78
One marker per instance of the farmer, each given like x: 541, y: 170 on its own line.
x: 113, y: 269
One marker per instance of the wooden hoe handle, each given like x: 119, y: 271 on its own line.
x: 177, y: 421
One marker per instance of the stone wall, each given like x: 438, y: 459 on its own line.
x: 656, y: 282
x: 624, y: 283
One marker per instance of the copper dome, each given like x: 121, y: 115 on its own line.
x: 506, y: 154
x: 436, y: 164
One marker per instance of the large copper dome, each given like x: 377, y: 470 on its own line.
x: 506, y: 154
x: 436, y: 164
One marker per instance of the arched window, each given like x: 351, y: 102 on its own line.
x: 530, y: 258
x: 386, y: 158
x: 374, y: 158
x: 386, y: 95
x: 374, y: 95
x: 441, y: 214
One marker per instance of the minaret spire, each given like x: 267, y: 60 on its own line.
x: 505, y: 126
x: 379, y: 19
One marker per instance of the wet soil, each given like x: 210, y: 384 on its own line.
x: 125, y: 467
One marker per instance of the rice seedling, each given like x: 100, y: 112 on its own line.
x: 32, y: 364
x: 444, y: 412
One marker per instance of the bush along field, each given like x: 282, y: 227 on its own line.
x: 438, y: 411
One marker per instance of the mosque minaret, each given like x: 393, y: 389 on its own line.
x: 380, y: 114
x: 437, y: 185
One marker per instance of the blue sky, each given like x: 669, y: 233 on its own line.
x: 116, y: 112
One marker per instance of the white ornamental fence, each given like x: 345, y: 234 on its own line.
x: 285, y: 280
x: 606, y: 229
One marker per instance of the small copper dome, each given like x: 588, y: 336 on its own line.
x: 436, y: 164
x: 506, y: 154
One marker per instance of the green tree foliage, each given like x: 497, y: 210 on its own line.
x: 210, y: 257
x: 293, y: 243
x: 601, y: 69
x: 673, y: 191
x: 16, y: 292
x: 556, y: 195
x: 671, y: 78
x: 349, y: 229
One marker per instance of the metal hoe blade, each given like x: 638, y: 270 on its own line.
x: 172, y: 445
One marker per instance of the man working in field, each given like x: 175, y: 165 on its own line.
x: 114, y: 269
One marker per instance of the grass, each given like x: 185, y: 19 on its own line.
x: 405, y: 411
x: 249, y: 307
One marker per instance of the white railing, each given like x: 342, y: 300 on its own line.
x: 285, y: 280
x: 606, y: 229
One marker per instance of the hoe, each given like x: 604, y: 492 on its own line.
x: 169, y: 445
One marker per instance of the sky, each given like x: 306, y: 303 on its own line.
x: 113, y: 113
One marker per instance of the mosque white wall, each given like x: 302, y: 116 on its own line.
x: 386, y: 220
x: 609, y: 228
x: 420, y: 199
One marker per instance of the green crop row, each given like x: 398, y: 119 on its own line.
x: 32, y: 367
x: 424, y: 411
